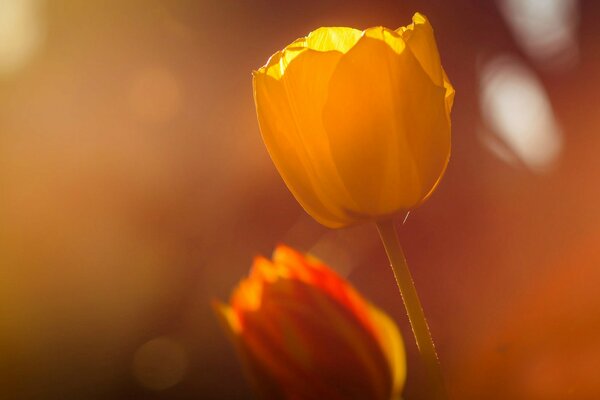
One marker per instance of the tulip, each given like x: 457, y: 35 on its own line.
x: 358, y: 125
x: 357, y: 122
x: 303, y: 332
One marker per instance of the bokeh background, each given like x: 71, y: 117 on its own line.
x: 134, y: 189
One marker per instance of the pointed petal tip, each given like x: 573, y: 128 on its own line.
x: 322, y: 39
x: 282, y: 253
x: 279, y: 248
x: 390, y: 37
x: 227, y: 316
x: 419, y: 18
x: 218, y: 306
x: 260, y: 265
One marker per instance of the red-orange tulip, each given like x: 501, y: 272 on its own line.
x: 304, y: 333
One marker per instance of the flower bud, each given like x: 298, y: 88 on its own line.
x: 357, y: 122
x: 304, y: 333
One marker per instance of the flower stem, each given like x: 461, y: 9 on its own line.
x: 420, y: 329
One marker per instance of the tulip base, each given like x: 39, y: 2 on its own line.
x: 416, y: 316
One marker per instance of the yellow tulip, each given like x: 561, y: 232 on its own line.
x: 357, y: 122
x: 304, y: 333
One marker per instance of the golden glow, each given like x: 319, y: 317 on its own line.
x: 21, y: 33
x: 357, y: 123
x: 117, y: 225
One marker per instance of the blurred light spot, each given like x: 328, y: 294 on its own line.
x: 155, y: 95
x: 160, y: 363
x: 329, y: 250
x: 346, y: 249
x: 20, y: 33
x: 546, y: 29
x: 516, y: 109
x: 343, y: 249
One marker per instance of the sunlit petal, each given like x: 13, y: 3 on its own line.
x: 375, y: 117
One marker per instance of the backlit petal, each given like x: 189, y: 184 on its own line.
x: 393, y: 39
x: 319, y: 337
x: 421, y: 41
x: 393, y: 347
x: 382, y: 118
x: 339, y: 39
x: 290, y: 117
x: 450, y: 92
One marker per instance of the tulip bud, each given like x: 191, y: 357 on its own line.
x: 304, y: 333
x: 357, y: 122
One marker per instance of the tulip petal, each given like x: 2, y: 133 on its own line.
x: 279, y: 61
x: 393, y: 347
x: 340, y: 39
x: 290, y: 117
x: 312, y: 335
x: 450, y: 92
x: 320, y: 337
x: 386, y: 123
x: 393, y: 39
x: 259, y: 378
x: 420, y: 39
x: 280, y: 135
x: 312, y: 271
x: 228, y: 317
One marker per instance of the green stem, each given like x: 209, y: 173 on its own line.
x: 420, y: 329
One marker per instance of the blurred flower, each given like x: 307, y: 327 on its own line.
x: 305, y: 333
x: 516, y: 108
x: 545, y: 29
x: 357, y: 122
x: 22, y: 32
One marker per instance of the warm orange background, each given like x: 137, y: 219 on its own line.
x: 134, y: 188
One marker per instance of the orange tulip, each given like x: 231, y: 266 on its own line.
x: 357, y: 122
x: 304, y: 333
